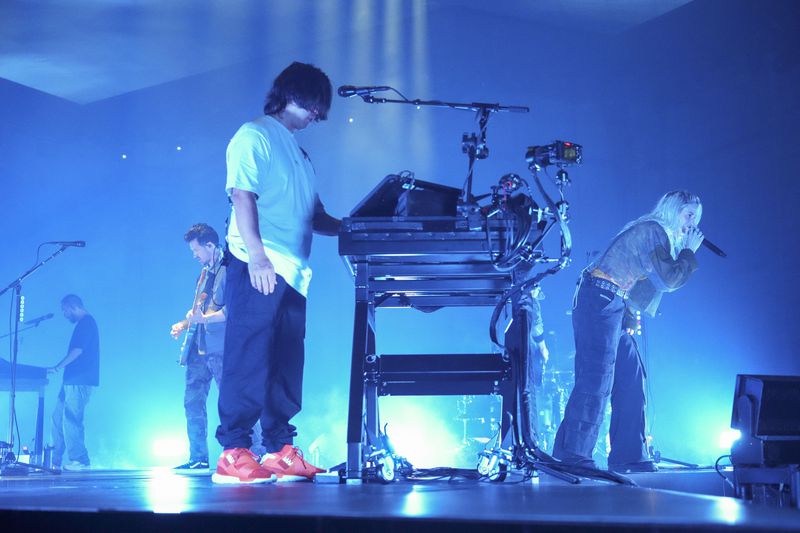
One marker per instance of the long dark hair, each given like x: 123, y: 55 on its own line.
x: 305, y: 85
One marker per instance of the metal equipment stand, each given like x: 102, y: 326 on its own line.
x: 423, y: 269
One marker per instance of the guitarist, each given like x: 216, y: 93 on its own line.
x: 204, y: 335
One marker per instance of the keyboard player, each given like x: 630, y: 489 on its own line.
x: 81, y: 368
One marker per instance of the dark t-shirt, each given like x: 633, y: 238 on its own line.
x: 85, y: 370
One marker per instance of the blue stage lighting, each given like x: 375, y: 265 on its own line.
x: 728, y: 437
x: 420, y: 434
x: 168, y: 492
x: 169, y: 449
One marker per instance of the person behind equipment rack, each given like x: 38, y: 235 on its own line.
x: 534, y: 355
x: 651, y: 255
x: 203, y: 355
x: 270, y: 182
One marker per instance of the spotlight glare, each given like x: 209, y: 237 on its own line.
x: 169, y: 447
x: 124, y: 156
x: 350, y: 120
x: 728, y: 437
x: 179, y: 148
x: 417, y: 431
x: 728, y: 510
x: 167, y: 492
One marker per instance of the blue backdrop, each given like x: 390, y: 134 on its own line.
x: 703, y: 98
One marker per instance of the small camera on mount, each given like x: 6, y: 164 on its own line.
x: 510, y: 183
x: 560, y: 153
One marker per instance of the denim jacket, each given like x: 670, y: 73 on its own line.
x: 639, y: 261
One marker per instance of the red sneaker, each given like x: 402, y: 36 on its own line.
x: 239, y: 465
x: 289, y: 465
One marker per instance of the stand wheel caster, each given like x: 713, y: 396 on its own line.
x: 499, y: 474
x: 492, y: 467
x: 386, y: 470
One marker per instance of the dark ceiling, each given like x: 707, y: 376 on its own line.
x: 89, y: 50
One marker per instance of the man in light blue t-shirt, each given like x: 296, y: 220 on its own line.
x: 270, y: 183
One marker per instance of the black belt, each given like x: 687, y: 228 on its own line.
x: 606, y: 285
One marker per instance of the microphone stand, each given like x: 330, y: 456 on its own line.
x: 471, y: 144
x: 9, y: 465
x: 30, y: 325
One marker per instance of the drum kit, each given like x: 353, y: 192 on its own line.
x: 480, y: 416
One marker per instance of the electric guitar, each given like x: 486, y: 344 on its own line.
x: 197, y: 307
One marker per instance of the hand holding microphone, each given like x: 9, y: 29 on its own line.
x: 693, y: 238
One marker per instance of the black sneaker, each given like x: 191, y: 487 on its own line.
x: 193, y: 465
x: 628, y: 468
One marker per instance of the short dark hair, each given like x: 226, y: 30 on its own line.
x: 203, y: 233
x: 72, y: 300
x: 303, y: 84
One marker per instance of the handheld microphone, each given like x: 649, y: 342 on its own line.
x: 38, y: 319
x: 346, y: 91
x: 77, y: 244
x: 714, y: 248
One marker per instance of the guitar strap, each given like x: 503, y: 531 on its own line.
x: 200, y: 334
x: 209, y: 289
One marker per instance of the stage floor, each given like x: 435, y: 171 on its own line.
x: 160, y: 500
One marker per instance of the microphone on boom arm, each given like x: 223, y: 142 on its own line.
x: 76, y: 244
x: 346, y: 91
x: 38, y: 320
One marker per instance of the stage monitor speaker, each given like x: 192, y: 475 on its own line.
x: 765, y: 411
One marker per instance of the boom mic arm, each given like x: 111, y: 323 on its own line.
x: 38, y: 320
x: 347, y: 91
x: 77, y: 244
